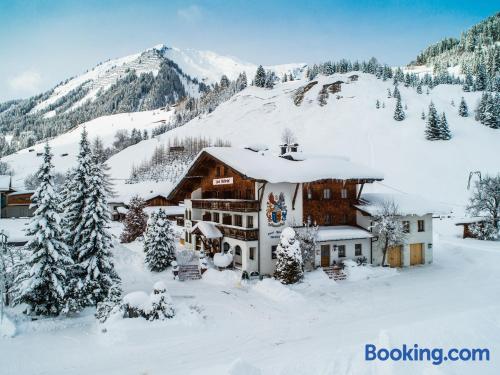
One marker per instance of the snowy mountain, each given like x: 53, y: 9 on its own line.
x: 348, y: 125
x: 148, y: 80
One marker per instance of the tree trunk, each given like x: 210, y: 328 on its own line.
x: 384, y: 252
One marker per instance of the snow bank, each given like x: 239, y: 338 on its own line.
x: 227, y: 277
x: 7, y: 327
x: 357, y: 273
x: 241, y: 367
x: 276, y: 291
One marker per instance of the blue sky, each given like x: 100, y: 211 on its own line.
x: 43, y: 42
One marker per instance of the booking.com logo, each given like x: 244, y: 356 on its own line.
x: 435, y: 355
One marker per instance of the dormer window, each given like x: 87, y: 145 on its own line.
x: 217, y: 172
x: 327, y: 194
x: 309, y: 194
x: 343, y: 193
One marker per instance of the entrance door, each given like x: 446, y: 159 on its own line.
x: 416, y: 254
x: 325, y: 255
x: 237, y: 256
x: 394, y: 256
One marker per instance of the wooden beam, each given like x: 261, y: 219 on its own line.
x: 261, y: 194
x: 295, y: 196
x: 360, y: 190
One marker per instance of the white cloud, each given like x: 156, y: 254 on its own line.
x: 27, y: 82
x: 191, y: 13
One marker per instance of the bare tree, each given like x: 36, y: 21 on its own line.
x: 485, y: 200
x: 288, y: 137
x: 389, y: 227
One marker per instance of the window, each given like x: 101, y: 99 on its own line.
x: 328, y: 219
x: 358, y: 250
x: 227, y: 219
x: 217, y: 172
x: 341, y: 249
x: 238, y: 221
x: 216, y: 217
x: 187, y: 237
x: 251, y: 253
x: 309, y: 194
x: 225, y: 171
x: 249, y: 221
x: 343, y: 193
x: 327, y: 194
x: 226, y: 247
x: 344, y: 219
x: 406, y: 226
x: 237, y: 250
x: 249, y: 194
x: 421, y: 226
x: 207, y: 216
x: 273, y: 252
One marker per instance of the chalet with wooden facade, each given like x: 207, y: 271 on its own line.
x: 242, y: 199
x: 14, y: 203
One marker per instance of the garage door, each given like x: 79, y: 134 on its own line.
x: 394, y: 256
x: 416, y: 254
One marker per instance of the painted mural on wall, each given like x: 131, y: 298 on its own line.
x: 276, y: 209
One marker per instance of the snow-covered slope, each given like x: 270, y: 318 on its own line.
x: 65, y: 146
x: 352, y: 126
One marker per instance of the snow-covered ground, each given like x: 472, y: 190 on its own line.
x: 318, y: 327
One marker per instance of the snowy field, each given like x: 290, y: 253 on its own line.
x: 317, y: 327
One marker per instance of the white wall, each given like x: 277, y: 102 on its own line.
x: 270, y: 234
x: 349, y: 251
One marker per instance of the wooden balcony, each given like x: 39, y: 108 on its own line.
x: 239, y: 234
x: 234, y: 205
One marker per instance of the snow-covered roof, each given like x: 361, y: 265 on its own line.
x: 15, y: 229
x: 21, y: 192
x: 122, y: 210
x: 154, y: 195
x: 407, y: 204
x: 208, y: 229
x: 341, y: 232
x: 169, y: 210
x: 471, y: 220
x: 4, y: 182
x: 267, y: 166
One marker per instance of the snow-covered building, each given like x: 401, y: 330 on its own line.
x: 416, y: 216
x: 242, y: 199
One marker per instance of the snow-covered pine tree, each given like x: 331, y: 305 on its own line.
x: 377, y: 104
x: 285, y: 78
x: 452, y: 103
x: 463, y: 110
x: 43, y: 279
x: 490, y: 111
x: 289, y: 265
x: 468, y: 83
x: 389, y: 94
x: 422, y: 116
x: 160, y: 245
x: 399, y: 114
x: 76, y: 189
x: 291, y: 77
x: 396, y: 92
x: 93, y: 257
x: 444, y: 130
x: 260, y: 77
x: 135, y: 220
x: 419, y: 88
x: 481, y: 82
x: 433, y: 130
x: 270, y: 78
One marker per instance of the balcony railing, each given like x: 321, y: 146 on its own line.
x: 239, y: 234
x: 226, y: 205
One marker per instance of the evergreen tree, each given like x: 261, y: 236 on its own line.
x: 42, y: 283
x: 93, y: 257
x: 160, y: 244
x: 285, y: 78
x: 135, y: 220
x: 468, y: 83
x: 433, y: 130
x: 481, y: 82
x: 77, y: 188
x: 422, y: 116
x: 389, y: 94
x: 444, y: 130
x: 289, y: 265
x: 463, y: 110
x: 419, y: 88
x: 377, y: 104
x: 399, y: 114
x: 396, y: 93
x: 291, y: 77
x: 260, y: 77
